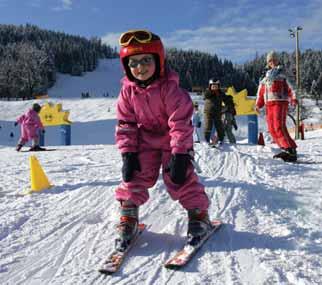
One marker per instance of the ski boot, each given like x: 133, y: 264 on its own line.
x: 198, y: 226
x: 288, y: 155
x: 128, y: 226
x: 18, y: 147
x: 36, y: 148
x: 220, y: 143
x: 292, y: 155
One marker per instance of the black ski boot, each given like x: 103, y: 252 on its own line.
x: 288, y: 155
x: 128, y: 226
x: 292, y: 155
x: 18, y: 147
x: 199, y: 225
x: 36, y: 148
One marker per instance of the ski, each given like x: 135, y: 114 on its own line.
x: 298, y: 161
x: 114, y: 261
x: 302, y: 162
x: 183, y: 256
x: 44, y: 149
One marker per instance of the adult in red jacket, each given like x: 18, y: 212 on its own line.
x: 275, y: 92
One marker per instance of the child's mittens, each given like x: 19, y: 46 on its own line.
x: 130, y: 164
x: 178, y: 167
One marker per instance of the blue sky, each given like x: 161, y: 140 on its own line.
x: 235, y: 30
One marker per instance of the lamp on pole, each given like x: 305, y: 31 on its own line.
x: 294, y: 33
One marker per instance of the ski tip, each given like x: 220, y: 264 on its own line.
x: 172, y: 266
x: 104, y: 271
x: 216, y: 222
x: 142, y: 227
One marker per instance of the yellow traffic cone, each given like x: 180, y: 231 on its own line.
x: 38, y: 178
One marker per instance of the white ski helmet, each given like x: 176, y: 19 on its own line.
x: 213, y: 81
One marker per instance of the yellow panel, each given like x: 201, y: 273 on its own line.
x: 53, y: 115
x: 243, y: 105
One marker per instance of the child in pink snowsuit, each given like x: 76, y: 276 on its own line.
x: 30, y: 126
x: 154, y: 131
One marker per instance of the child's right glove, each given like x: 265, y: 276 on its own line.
x: 130, y: 164
x: 178, y: 167
x: 16, y: 123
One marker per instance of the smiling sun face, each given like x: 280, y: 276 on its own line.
x: 53, y: 115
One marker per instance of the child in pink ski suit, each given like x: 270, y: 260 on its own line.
x: 30, y: 126
x: 154, y: 130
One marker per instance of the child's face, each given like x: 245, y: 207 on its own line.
x: 214, y: 87
x: 272, y: 63
x: 142, y: 66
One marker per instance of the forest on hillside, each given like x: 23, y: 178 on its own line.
x: 196, y: 68
x: 30, y: 58
x: 310, y: 70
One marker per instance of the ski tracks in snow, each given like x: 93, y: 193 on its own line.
x: 61, y: 235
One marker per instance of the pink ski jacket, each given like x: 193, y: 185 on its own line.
x: 30, y: 124
x: 155, y: 117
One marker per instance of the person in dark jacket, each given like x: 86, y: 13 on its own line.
x: 229, y: 121
x: 214, y: 99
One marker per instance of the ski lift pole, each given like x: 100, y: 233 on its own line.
x: 295, y: 33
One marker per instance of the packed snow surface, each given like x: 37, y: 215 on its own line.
x: 271, y: 209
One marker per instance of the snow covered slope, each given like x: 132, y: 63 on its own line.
x: 271, y: 210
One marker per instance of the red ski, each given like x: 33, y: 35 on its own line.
x: 182, y: 257
x: 113, y: 263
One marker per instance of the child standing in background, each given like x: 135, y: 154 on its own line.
x: 30, y: 127
x: 196, y: 122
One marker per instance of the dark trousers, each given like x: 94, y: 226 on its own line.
x: 210, y: 121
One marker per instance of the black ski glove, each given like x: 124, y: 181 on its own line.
x: 130, y: 164
x: 16, y: 123
x: 178, y: 167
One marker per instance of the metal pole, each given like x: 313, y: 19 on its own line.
x: 298, y: 84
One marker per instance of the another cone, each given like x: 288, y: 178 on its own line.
x: 261, y: 139
x: 38, y: 178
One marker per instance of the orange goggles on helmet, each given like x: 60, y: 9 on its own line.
x: 141, y: 36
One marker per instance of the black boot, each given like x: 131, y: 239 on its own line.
x: 288, y: 155
x: 207, y: 137
x: 199, y: 225
x: 292, y: 155
x: 36, y: 148
x: 18, y: 147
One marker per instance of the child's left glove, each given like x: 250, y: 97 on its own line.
x: 178, y: 167
x: 130, y: 164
